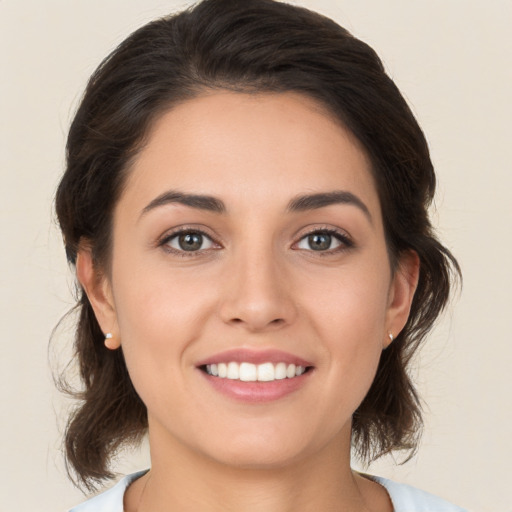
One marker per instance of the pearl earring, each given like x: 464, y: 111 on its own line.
x: 391, y: 337
x: 110, y: 343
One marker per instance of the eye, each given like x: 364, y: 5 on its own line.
x: 189, y: 241
x: 324, y: 241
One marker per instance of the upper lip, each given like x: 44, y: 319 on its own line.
x: 241, y: 355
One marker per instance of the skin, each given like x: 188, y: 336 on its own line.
x: 257, y: 285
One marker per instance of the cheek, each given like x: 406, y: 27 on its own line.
x: 352, y: 301
x: 159, y: 313
x: 349, y: 315
x: 155, y: 301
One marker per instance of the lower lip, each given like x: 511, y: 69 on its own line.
x: 257, y: 392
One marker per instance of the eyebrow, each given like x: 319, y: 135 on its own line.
x: 297, y: 204
x: 202, y: 202
x: 322, y: 199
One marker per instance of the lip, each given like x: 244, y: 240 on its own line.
x: 256, y: 392
x: 255, y: 357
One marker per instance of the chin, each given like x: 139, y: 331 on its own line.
x: 264, y: 449
x: 258, y: 458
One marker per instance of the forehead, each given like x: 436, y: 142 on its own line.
x: 250, y: 148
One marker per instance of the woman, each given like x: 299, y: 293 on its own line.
x: 245, y: 203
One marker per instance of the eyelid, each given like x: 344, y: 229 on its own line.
x: 341, y: 235
x: 163, y: 240
x: 346, y: 241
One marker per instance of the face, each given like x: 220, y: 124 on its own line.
x: 251, y: 288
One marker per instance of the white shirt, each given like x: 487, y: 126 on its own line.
x: 403, y: 497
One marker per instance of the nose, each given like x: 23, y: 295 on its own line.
x: 257, y: 295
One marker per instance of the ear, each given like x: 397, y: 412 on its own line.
x: 99, y: 292
x: 401, y: 293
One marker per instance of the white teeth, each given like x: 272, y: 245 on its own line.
x: 233, y: 371
x: 280, y: 371
x: 222, y: 368
x: 248, y: 372
x: 266, y: 372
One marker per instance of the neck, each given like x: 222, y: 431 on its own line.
x: 182, y: 479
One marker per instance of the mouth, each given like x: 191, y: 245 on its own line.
x: 256, y: 376
x: 250, y: 372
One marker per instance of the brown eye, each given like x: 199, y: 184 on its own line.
x: 327, y: 241
x: 190, y: 241
x: 320, y: 241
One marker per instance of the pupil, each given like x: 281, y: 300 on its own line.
x: 319, y: 242
x: 190, y: 241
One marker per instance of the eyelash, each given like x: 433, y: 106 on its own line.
x: 346, y: 242
x: 183, y: 231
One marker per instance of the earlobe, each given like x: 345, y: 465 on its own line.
x: 99, y: 293
x: 110, y: 342
x: 403, y: 287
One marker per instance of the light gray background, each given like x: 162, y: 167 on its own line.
x: 452, y: 59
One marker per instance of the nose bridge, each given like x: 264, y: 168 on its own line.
x: 256, y: 295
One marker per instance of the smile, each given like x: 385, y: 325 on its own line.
x: 249, y: 372
x: 256, y: 376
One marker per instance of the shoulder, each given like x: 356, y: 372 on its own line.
x: 406, y: 498
x: 111, y: 500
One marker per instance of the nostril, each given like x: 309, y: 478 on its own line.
x: 257, y: 324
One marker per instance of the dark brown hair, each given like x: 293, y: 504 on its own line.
x: 248, y: 46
